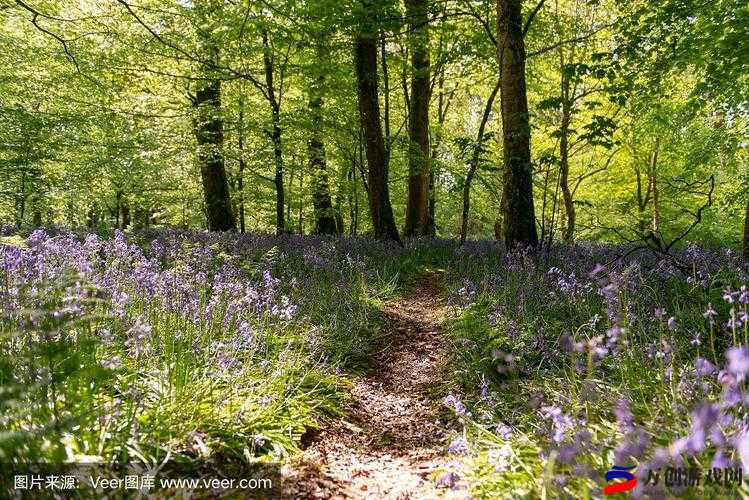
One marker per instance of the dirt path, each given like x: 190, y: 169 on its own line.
x: 391, y: 443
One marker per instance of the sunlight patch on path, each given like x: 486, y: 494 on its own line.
x: 391, y: 444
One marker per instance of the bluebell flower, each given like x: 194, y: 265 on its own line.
x: 738, y: 362
x: 448, y: 480
x: 458, y: 447
x: 704, y: 367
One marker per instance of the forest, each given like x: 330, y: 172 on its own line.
x: 374, y: 248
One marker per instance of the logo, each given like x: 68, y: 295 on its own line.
x: 618, y: 472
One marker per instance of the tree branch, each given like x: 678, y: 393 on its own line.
x: 531, y: 16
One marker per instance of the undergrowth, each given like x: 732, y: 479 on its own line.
x: 567, y: 365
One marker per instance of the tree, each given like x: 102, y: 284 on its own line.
x: 365, y: 58
x: 325, y: 215
x: 519, y: 214
x: 478, y: 148
x: 418, y: 130
x: 705, y: 40
x: 209, y: 131
x: 275, y: 131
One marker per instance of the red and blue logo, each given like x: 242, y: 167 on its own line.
x: 617, y: 472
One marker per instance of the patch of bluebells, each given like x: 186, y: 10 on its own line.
x: 567, y: 286
x: 192, y: 287
x: 220, y: 293
x: 679, y: 324
x: 179, y: 307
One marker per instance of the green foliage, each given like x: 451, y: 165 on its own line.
x: 97, y: 121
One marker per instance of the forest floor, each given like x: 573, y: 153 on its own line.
x: 390, y: 443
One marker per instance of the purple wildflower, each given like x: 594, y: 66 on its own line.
x: 503, y: 431
x: 452, y: 401
x: 448, y: 480
x: 738, y: 362
x: 624, y: 417
x: 458, y: 447
x: 704, y: 367
x: 710, y: 314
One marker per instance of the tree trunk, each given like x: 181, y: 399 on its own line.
x: 92, y: 219
x: 519, y: 217
x: 125, y: 209
x: 21, y: 202
x: 386, y: 93
x: 642, y: 201
x: 37, y: 217
x: 292, y: 174
x: 274, y: 133
x: 656, y: 225
x: 353, y: 177
x: 340, y: 194
x: 325, y: 220
x: 497, y: 229
x: 564, y: 158
x: 443, y: 104
x: 441, y: 114
x: 431, y: 227
x: 418, y: 127
x: 208, y: 127
x: 209, y: 134
x: 240, y: 177
x: 365, y: 54
x: 475, y: 159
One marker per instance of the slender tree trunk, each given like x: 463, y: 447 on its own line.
x: 475, y: 159
x: 431, y: 227
x: 353, y: 199
x: 365, y: 54
x: 443, y: 104
x: 288, y: 198
x: 431, y: 218
x: 354, y: 229
x: 642, y: 201
x: 386, y: 93
x: 21, y: 201
x: 325, y: 215
x: 274, y: 133
x: 418, y: 159
x: 497, y: 229
x: 564, y: 158
x: 240, y: 177
x: 92, y: 220
x: 656, y: 225
x: 341, y: 192
x: 278, y: 176
x: 519, y: 217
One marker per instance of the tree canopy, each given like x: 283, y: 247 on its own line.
x: 378, y: 116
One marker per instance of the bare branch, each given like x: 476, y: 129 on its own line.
x: 531, y: 16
